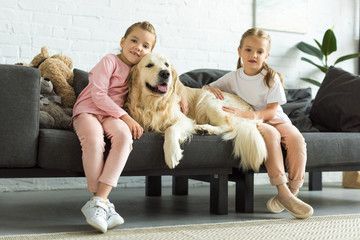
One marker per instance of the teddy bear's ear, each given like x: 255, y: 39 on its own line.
x: 38, y: 59
x: 44, y: 52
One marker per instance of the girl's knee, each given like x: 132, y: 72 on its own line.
x: 294, y: 133
x: 296, y: 139
x: 269, y: 132
x: 93, y: 141
x: 122, y: 138
x: 94, y: 137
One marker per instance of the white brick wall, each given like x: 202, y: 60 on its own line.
x: 192, y: 33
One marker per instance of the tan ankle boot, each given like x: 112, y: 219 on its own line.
x: 297, y: 208
x: 274, y: 206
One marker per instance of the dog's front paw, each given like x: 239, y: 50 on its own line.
x: 201, y: 130
x: 210, y: 129
x: 172, y: 157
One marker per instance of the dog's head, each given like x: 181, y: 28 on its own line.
x: 154, y: 92
x: 154, y: 73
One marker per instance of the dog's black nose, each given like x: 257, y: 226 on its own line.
x: 164, y: 74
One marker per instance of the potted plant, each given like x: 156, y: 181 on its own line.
x: 322, y: 51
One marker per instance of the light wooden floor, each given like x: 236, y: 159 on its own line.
x: 35, y: 212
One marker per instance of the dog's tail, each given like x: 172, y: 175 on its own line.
x: 248, y: 143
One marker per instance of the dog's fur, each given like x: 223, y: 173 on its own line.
x: 153, y: 101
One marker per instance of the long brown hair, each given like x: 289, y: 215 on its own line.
x: 143, y: 25
x: 270, y: 75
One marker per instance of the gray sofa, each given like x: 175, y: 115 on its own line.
x: 27, y: 151
x: 330, y: 125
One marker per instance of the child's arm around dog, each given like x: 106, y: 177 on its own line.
x: 99, y: 113
x: 265, y: 114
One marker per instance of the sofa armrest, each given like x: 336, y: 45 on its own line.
x: 19, y: 115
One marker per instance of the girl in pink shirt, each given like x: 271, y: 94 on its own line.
x: 98, y: 112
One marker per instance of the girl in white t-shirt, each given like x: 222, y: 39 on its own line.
x: 262, y: 88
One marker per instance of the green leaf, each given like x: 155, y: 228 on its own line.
x: 329, y: 43
x: 322, y: 68
x: 312, y: 81
x: 317, y: 43
x: 347, y: 57
x: 309, y: 49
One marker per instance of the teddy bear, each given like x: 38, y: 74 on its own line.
x: 57, y: 68
x: 52, y: 115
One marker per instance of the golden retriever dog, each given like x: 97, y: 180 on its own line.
x: 154, y: 102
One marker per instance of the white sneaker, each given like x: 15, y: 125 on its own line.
x: 113, y: 218
x: 95, y: 212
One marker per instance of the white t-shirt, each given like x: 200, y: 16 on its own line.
x: 253, y: 90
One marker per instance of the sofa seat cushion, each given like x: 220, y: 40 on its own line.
x: 332, y: 150
x: 61, y: 150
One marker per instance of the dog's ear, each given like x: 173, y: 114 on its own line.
x: 176, y: 81
x: 131, y: 80
x: 174, y: 73
x: 134, y: 72
x: 174, y: 76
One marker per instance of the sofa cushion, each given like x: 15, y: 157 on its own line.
x: 336, y: 105
x: 200, y: 77
x: 61, y: 150
x: 332, y: 150
x: 19, y: 115
x: 298, y: 102
x: 81, y: 80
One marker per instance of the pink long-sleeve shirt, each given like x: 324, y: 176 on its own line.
x: 107, y: 89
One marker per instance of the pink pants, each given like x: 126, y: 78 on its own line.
x: 90, y: 129
x: 277, y: 132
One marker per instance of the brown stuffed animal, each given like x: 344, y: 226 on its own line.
x: 51, y: 114
x: 57, y: 68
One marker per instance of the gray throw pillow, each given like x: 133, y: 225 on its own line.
x: 81, y: 80
x: 296, y: 107
x: 336, y: 106
x: 297, y: 99
x: 199, y: 77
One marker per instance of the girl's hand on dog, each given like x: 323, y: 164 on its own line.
x: 135, y: 128
x: 184, y: 105
x: 216, y: 91
x: 234, y: 111
x: 239, y: 113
